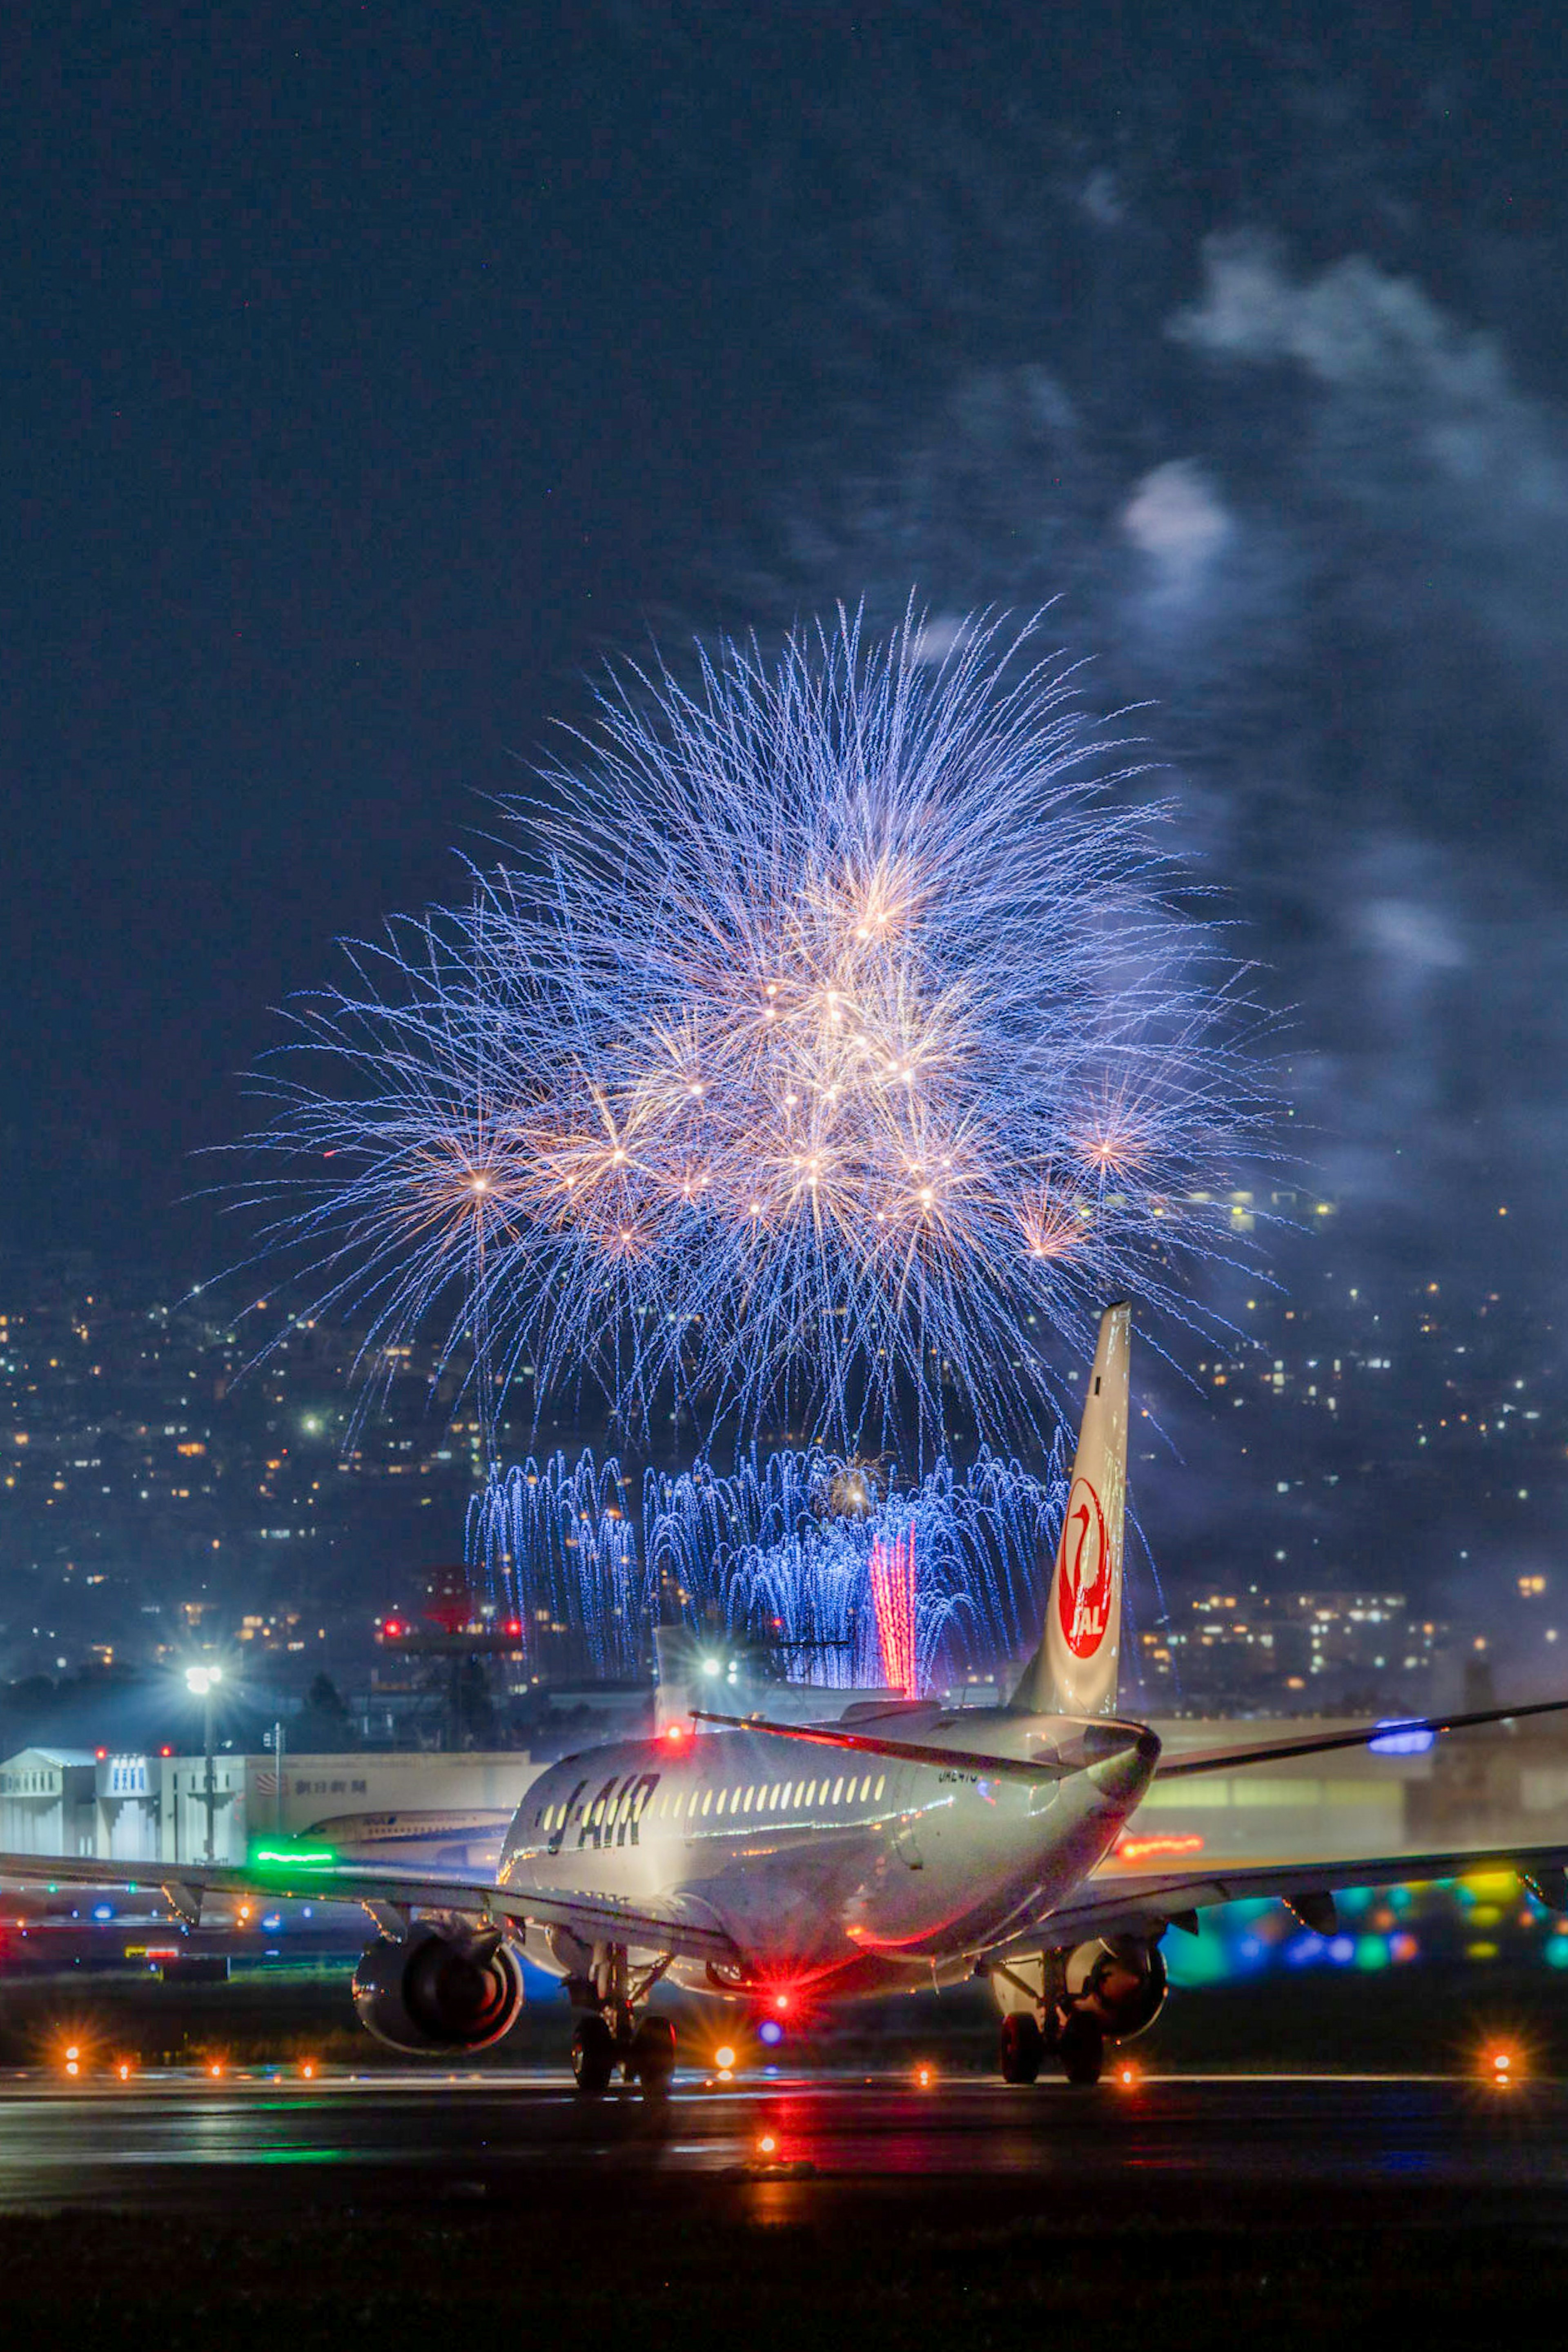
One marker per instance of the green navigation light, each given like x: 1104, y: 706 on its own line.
x: 296, y: 1857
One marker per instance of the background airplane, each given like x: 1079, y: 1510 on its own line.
x: 903, y: 1846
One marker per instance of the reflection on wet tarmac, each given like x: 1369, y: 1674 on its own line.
x: 175, y: 2141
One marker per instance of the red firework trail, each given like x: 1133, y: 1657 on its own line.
x: 893, y: 1598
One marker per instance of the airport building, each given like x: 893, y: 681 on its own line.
x: 132, y: 1808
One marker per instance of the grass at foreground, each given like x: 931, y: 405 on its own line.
x: 688, y: 2274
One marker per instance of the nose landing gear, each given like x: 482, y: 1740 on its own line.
x: 611, y: 2035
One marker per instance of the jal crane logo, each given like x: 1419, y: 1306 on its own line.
x: 1083, y: 1571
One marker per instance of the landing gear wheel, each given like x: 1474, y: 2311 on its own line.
x: 1023, y: 2047
x: 592, y: 2055
x: 652, y: 2057
x: 1080, y: 2046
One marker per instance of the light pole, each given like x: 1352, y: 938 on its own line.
x: 202, y: 1681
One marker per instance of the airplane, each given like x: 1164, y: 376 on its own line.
x: 903, y: 1846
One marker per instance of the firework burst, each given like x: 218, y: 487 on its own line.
x: 831, y: 1039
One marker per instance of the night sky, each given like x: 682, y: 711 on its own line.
x: 371, y: 373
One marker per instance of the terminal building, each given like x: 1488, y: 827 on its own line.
x: 135, y: 1808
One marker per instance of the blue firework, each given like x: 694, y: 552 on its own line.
x: 828, y: 1038
x: 780, y: 1553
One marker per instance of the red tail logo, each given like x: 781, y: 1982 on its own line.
x: 1083, y: 1573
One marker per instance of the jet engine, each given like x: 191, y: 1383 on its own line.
x: 1121, y: 1984
x: 438, y: 1989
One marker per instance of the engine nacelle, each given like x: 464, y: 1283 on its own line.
x: 435, y: 1990
x: 1121, y: 1983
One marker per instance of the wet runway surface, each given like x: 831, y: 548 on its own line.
x: 1421, y: 2150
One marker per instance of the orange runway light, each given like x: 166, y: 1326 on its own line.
x: 309, y: 2071
x: 215, y: 2069
x: 767, y: 2144
x: 1502, y: 2068
x: 924, y: 2077
x: 1126, y: 2076
x: 724, y: 2058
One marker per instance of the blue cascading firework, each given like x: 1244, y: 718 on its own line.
x: 777, y: 1555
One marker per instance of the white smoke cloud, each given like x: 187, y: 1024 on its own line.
x: 1364, y: 333
x: 1177, y: 518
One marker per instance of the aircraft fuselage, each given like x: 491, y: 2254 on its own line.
x: 839, y: 1870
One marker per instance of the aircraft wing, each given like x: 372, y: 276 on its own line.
x: 1128, y: 1902
x: 385, y: 1892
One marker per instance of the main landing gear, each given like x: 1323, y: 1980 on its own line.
x: 611, y: 2035
x: 1075, y: 2039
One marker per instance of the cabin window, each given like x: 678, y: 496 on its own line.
x: 881, y: 1784
x: 866, y: 1789
x: 724, y: 1793
x: 676, y: 1806
x: 773, y: 1795
x: 837, y: 1788
x: 546, y: 1822
x: 707, y: 1800
x: 810, y: 1797
x: 750, y: 1793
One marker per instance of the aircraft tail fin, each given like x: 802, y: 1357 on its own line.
x: 1076, y: 1669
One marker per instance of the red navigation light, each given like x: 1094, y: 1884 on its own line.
x: 392, y: 1628
x: 513, y: 1626
x: 781, y: 2000
x: 102, y: 1754
x: 165, y: 1751
x: 675, y: 1734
